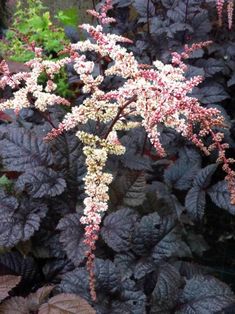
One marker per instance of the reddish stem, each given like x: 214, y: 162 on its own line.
x: 133, y: 98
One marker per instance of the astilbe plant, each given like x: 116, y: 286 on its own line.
x: 150, y: 96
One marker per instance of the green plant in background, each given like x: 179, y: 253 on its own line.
x: 32, y: 23
x: 68, y: 17
x: 5, y: 183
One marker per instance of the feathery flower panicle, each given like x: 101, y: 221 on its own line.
x: 220, y: 5
x: 156, y: 95
x: 44, y: 97
x: 102, y: 15
x: 230, y: 6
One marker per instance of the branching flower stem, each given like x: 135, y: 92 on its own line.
x: 119, y: 113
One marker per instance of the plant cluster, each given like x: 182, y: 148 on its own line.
x: 103, y: 200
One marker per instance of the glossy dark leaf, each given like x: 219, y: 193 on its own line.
x: 192, y: 70
x: 122, y: 3
x: 205, y: 295
x: 211, y: 66
x: 195, y: 202
x: 19, y: 221
x: 203, y: 178
x: 190, y: 270
x: 16, y: 264
x: 231, y: 81
x: 144, y: 266
x: 71, y: 237
x: 77, y: 282
x: 118, y: 228
x: 21, y: 149
x: 107, y: 276
x: 181, y: 174
x: 213, y: 93
x: 200, y: 23
x: 167, y: 289
x: 142, y: 8
x: 135, y: 192
x: 132, y: 300
x: 41, y: 181
x: 129, y: 188
x: 125, y: 263
x: 68, y: 156
x: 147, y: 232
x: 171, y: 245
x: 220, y: 195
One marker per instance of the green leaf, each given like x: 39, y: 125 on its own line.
x: 68, y: 17
x: 5, y: 182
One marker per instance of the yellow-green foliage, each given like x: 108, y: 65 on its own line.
x: 34, y: 24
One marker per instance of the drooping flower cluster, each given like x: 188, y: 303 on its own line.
x: 152, y: 96
x: 230, y: 7
x: 230, y: 13
x: 42, y: 96
x: 102, y: 15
